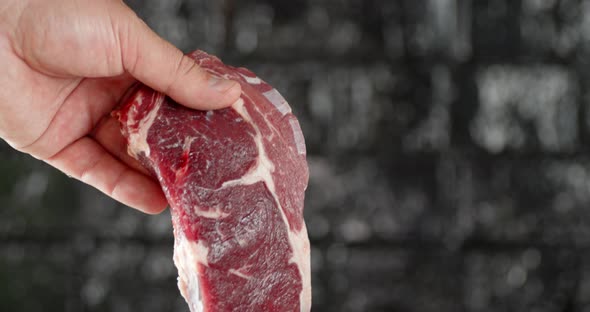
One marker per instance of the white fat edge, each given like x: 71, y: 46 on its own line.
x: 274, y: 130
x: 301, y: 257
x: 298, y: 136
x: 187, y: 256
x: 278, y: 101
x: 138, y: 138
x: 299, y: 242
x: 251, y: 80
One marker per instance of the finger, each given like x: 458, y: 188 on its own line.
x: 88, y: 162
x: 80, y: 112
x: 163, y: 67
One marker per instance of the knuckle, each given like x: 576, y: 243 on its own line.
x: 185, y: 66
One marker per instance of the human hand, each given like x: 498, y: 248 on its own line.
x: 65, y: 65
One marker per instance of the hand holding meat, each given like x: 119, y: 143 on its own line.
x: 66, y: 64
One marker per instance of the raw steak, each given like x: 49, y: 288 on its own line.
x: 235, y: 180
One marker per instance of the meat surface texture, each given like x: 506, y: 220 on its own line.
x: 235, y: 180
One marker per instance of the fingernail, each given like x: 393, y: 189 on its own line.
x: 220, y: 85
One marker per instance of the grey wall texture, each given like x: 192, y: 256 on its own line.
x: 448, y: 142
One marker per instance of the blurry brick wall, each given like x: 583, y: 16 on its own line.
x: 448, y: 147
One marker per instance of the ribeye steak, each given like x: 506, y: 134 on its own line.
x: 235, y: 180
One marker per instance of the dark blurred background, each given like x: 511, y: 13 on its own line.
x: 448, y: 147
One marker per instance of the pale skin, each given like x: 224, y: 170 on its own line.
x: 65, y: 64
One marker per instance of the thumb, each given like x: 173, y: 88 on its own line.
x: 161, y: 66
